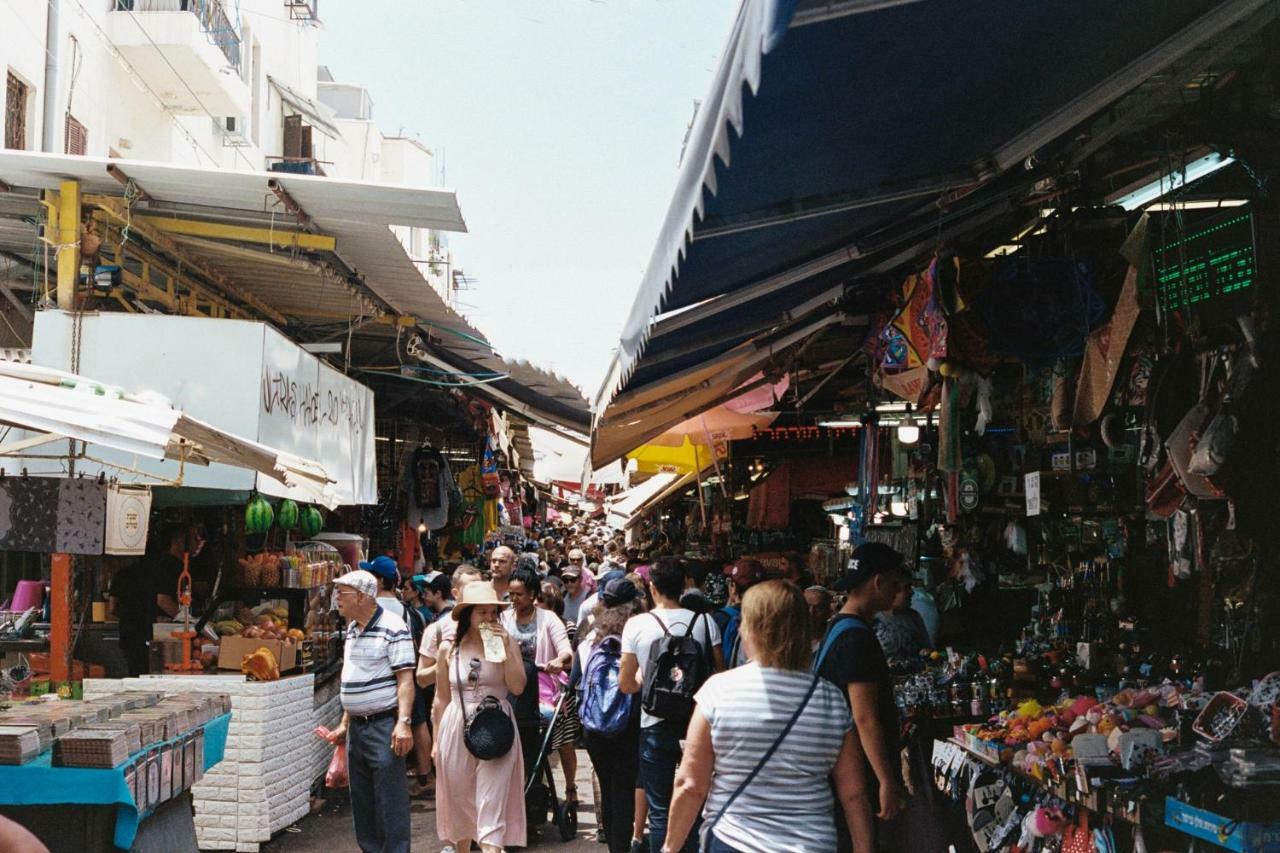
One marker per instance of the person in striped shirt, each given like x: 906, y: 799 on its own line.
x: 377, y: 711
x: 741, y: 713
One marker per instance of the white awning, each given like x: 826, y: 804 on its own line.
x: 632, y: 501
x: 57, y: 405
x: 559, y: 456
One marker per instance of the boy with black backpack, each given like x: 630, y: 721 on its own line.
x: 667, y: 654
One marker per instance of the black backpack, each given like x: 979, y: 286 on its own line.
x: 681, y: 666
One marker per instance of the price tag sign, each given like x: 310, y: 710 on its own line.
x: 1032, y: 489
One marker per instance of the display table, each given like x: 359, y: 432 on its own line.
x: 272, y: 757
x: 39, y: 783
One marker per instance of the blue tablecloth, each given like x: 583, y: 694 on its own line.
x: 39, y: 783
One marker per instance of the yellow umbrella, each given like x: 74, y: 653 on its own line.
x: 688, y: 458
x: 685, y: 458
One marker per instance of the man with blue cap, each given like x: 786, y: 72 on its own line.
x: 388, y: 574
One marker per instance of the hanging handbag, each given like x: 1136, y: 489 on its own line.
x: 1190, y: 432
x: 708, y: 826
x: 488, y: 731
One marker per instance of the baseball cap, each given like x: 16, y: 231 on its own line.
x: 383, y: 567
x: 745, y: 572
x: 361, y: 581
x: 571, y: 571
x: 619, y: 591
x: 868, y: 560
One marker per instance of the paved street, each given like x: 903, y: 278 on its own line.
x: 330, y: 831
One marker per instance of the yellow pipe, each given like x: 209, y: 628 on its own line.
x: 68, y: 244
x: 278, y: 237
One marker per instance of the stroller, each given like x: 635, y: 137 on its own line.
x: 540, y: 798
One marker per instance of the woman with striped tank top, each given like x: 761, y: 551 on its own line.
x: 765, y: 741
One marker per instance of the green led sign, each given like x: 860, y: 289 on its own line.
x: 1211, y: 265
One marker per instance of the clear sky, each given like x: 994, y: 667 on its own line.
x: 560, y: 124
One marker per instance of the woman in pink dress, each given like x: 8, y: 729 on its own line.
x: 477, y: 800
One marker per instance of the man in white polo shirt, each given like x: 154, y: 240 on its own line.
x: 377, y: 708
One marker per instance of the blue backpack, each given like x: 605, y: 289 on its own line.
x: 729, y: 620
x: 603, y: 708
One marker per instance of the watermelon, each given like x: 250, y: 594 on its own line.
x: 287, y: 515
x: 258, y: 515
x: 311, y: 522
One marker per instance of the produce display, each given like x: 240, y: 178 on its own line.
x: 267, y: 622
x: 311, y: 522
x: 258, y: 515
x: 271, y: 569
x: 287, y: 515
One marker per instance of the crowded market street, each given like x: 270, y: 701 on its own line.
x: 731, y: 426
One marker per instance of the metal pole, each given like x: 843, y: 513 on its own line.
x: 60, y: 588
x: 52, y: 47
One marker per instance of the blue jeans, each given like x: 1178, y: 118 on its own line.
x: 659, y: 755
x: 379, y: 789
x: 715, y: 845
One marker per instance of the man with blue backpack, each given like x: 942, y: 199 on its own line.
x: 743, y: 575
x: 850, y: 656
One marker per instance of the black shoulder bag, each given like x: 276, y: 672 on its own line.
x: 708, y: 826
x: 487, y: 731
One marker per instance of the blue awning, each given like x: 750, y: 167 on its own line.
x: 833, y: 128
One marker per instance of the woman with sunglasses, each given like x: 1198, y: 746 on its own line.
x: 477, y: 800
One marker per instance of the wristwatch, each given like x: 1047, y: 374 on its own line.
x: 408, y: 721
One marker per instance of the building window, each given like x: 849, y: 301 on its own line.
x: 15, y: 112
x: 77, y: 136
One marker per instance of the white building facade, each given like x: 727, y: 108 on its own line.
x: 224, y: 84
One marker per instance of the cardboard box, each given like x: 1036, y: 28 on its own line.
x: 233, y: 650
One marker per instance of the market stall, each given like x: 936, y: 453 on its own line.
x: 1038, y: 360
x: 111, y: 772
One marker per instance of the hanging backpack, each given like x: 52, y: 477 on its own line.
x: 603, y: 708
x: 680, y: 666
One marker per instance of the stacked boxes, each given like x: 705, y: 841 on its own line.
x: 263, y: 783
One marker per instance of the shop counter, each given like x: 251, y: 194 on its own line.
x: 70, y: 791
x: 272, y: 759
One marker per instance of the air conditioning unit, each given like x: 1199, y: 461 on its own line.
x: 235, y: 130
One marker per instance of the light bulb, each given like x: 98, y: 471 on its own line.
x: 422, y: 527
x: 908, y: 432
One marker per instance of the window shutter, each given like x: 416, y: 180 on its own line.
x: 77, y: 137
x: 15, y: 112
x: 292, y: 136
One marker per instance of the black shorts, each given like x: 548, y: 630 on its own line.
x: 421, y: 705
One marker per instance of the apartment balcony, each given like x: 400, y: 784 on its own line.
x: 187, y: 51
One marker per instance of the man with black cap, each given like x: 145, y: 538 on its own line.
x: 851, y: 658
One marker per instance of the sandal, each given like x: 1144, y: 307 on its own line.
x: 571, y: 795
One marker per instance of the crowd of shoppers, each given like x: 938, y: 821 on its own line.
x: 764, y: 722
